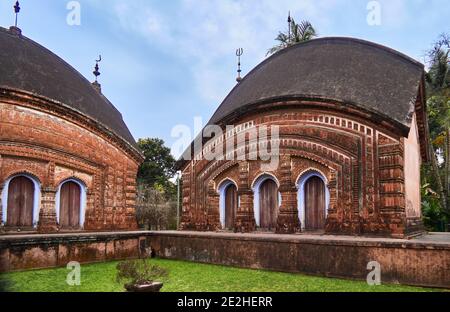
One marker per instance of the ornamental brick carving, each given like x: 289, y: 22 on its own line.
x: 288, y: 221
x: 53, y: 144
x: 245, y: 221
x: 361, y: 161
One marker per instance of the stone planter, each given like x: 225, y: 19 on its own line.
x: 153, y: 287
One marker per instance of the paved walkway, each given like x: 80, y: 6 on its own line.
x: 434, y: 238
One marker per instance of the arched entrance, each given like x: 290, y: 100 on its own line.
x: 231, y: 205
x: 266, y: 202
x: 269, y: 204
x: 70, y: 206
x: 313, y: 201
x: 315, y: 206
x: 21, y: 197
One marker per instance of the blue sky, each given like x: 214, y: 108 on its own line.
x: 166, y: 62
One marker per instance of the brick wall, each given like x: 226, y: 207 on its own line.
x: 361, y: 159
x: 409, y: 262
x: 52, y: 144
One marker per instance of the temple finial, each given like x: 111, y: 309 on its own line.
x: 14, y: 29
x: 290, y: 27
x: 239, y: 53
x: 17, y: 11
x: 97, y: 73
x: 97, y: 68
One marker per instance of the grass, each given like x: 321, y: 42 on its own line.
x: 190, y: 277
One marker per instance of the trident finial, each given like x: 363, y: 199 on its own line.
x: 239, y: 53
x: 96, y: 71
x: 16, y: 10
x: 290, y: 26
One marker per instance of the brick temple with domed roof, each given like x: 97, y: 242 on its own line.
x: 352, y: 123
x: 350, y: 120
x: 67, y: 160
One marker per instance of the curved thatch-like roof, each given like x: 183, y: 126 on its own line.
x: 350, y: 71
x: 365, y: 74
x: 26, y: 65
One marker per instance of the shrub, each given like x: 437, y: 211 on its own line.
x: 155, y: 208
x: 139, y: 272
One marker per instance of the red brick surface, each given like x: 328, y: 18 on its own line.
x: 423, y: 261
x: 361, y: 159
x: 53, y: 143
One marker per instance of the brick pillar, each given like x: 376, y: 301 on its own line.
x: 47, y: 214
x: 288, y: 221
x: 245, y: 219
x: 130, y: 195
x: 332, y: 221
x: 89, y: 214
x: 186, y: 214
x: 1, y: 209
x: 392, y: 210
x: 213, y: 217
x: 1, y: 192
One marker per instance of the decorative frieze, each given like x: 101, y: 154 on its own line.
x: 52, y: 148
x: 362, y: 165
x: 47, y: 213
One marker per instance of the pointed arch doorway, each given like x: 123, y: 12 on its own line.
x: 20, y: 204
x: 70, y: 201
x: 269, y: 204
x: 231, y: 205
x: 266, y: 202
x: 315, y: 207
x: 313, y: 201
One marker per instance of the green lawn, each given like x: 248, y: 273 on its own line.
x: 186, y: 276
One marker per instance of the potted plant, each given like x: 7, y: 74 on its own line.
x: 140, y: 276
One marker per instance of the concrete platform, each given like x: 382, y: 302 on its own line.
x: 422, y: 261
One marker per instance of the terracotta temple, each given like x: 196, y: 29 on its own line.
x: 351, y: 137
x: 67, y: 160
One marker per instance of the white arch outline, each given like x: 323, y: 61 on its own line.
x: 36, y: 197
x: 83, y: 199
x: 261, y: 175
x: 222, y: 189
x: 301, y: 181
x: 256, y: 185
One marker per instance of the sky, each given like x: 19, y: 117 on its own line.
x: 167, y: 62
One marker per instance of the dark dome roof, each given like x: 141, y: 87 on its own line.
x: 28, y: 66
x: 358, y: 72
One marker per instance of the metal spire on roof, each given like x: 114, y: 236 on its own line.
x: 239, y: 53
x: 97, y: 73
x: 289, y: 25
x: 16, y: 10
x: 97, y: 68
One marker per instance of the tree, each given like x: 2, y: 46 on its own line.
x: 297, y: 33
x: 437, y: 175
x: 156, y: 195
x: 155, y: 210
x: 158, y: 166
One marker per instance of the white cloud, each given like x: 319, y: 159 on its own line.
x: 205, y: 33
x: 394, y: 13
x: 141, y: 18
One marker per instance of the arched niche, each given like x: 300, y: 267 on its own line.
x: 228, y: 203
x: 21, y: 196
x: 71, y: 195
x: 304, y: 182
